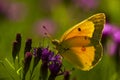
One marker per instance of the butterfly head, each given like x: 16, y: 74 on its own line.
x: 56, y: 42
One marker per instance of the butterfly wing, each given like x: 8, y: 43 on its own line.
x: 83, y: 58
x: 83, y: 45
x: 87, y: 28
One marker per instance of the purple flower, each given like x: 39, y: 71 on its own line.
x: 110, y: 29
x: 3, y: 6
x: 16, y: 47
x: 37, y: 56
x: 16, y: 11
x: 48, y: 24
x: 48, y: 5
x: 46, y: 55
x: 55, y: 65
x: 15, y: 50
x: 107, y: 29
x: 116, y: 36
x: 111, y: 47
x: 67, y: 75
x: 28, y: 57
x: 51, y: 61
x: 11, y: 10
x: 27, y: 61
x: 111, y: 32
x: 28, y: 45
x: 86, y: 4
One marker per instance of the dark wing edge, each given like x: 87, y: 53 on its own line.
x: 96, y: 39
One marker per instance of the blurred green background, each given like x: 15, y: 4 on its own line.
x: 27, y: 17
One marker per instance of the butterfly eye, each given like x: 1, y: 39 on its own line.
x: 55, y: 42
x: 79, y: 29
x: 66, y: 49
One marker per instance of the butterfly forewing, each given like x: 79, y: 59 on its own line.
x: 86, y: 27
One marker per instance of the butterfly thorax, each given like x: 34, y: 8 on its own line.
x: 61, y: 48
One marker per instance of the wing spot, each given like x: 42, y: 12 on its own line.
x: 86, y: 37
x: 79, y: 29
x: 83, y: 49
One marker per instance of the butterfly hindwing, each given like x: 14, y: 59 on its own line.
x: 81, y: 57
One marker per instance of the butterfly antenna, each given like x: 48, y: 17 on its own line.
x: 47, y: 33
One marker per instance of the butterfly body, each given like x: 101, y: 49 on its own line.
x: 80, y: 45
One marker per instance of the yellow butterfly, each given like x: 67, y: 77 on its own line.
x: 80, y: 45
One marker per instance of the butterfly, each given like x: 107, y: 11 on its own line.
x: 80, y: 45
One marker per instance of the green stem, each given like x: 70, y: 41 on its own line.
x: 31, y: 74
x: 52, y: 77
x: 7, y: 69
x: 23, y: 77
x: 43, y: 72
x: 9, y: 63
